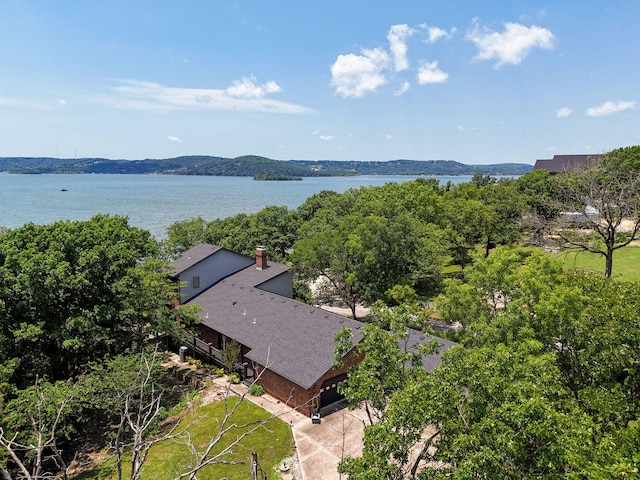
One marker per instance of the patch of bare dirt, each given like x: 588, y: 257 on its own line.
x: 361, y: 310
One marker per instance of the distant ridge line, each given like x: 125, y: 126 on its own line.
x: 253, y: 165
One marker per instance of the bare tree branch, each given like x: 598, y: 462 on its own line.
x: 45, y: 436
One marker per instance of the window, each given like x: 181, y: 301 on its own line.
x: 196, y: 282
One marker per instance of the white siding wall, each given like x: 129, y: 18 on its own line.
x: 211, y: 270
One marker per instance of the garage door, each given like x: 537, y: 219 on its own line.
x: 329, y: 390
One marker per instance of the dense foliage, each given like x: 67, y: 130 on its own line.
x: 543, y: 386
x: 72, y: 292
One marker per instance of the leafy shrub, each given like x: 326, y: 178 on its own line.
x: 195, y: 362
x: 213, y: 370
x: 234, y: 378
x: 256, y: 390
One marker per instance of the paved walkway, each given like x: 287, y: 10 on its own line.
x: 319, y: 447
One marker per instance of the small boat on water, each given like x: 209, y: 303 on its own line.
x: 63, y: 189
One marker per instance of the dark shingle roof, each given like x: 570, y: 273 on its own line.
x: 253, y: 277
x: 192, y: 256
x: 291, y: 338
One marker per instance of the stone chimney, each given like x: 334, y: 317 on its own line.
x: 261, y: 258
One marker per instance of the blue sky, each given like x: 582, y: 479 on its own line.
x: 471, y: 81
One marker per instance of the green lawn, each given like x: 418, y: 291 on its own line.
x: 273, y: 443
x: 625, y: 263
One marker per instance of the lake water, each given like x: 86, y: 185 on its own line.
x: 154, y: 202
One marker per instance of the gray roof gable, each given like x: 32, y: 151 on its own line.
x: 193, y: 256
x: 253, y: 277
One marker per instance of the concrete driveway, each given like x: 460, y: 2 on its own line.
x: 319, y: 447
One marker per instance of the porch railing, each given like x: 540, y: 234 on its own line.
x: 201, y: 347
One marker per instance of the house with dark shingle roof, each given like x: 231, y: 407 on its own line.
x: 288, y: 344
x: 567, y: 163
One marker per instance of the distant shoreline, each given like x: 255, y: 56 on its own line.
x: 255, y: 166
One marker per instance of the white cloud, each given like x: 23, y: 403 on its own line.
x: 31, y: 103
x: 430, y: 73
x: 388, y: 137
x: 563, y: 112
x: 174, y: 139
x: 155, y: 97
x: 609, y: 108
x: 436, y: 34
x: 511, y: 46
x: 404, y: 88
x: 397, y: 43
x: 326, y: 138
x: 247, y: 88
x: 358, y: 75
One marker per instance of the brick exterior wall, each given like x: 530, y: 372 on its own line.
x: 213, y: 337
x: 279, y: 387
x: 208, y: 335
x: 294, y: 395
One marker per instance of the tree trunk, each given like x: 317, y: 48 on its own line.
x: 4, y: 474
x: 608, y: 267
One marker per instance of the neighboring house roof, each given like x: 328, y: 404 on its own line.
x: 291, y: 338
x: 567, y: 163
x: 193, y: 256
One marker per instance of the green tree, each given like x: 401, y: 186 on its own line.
x: 387, y: 359
x: 501, y: 412
x: 539, y: 190
x: 465, y: 220
x: 543, y: 385
x: 183, y: 235
x: 273, y: 227
x: 604, y: 196
x: 497, y: 216
x: 74, y: 291
x: 363, y: 257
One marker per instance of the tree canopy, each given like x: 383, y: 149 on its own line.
x: 543, y: 386
x: 72, y: 292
